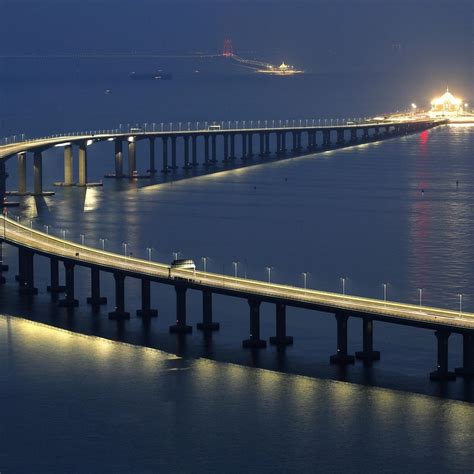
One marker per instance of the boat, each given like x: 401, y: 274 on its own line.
x: 282, y: 70
x: 151, y: 76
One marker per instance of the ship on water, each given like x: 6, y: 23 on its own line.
x: 159, y: 75
x: 282, y: 70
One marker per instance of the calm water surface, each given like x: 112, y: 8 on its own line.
x: 132, y: 398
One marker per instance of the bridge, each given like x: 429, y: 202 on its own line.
x: 30, y: 242
x: 213, y: 143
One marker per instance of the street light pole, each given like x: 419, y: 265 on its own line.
x: 385, y: 292
x: 343, y: 280
x: 305, y: 276
x: 460, y: 303
x: 204, y: 262
x: 149, y: 250
x: 420, y: 291
x: 235, y: 264
x: 269, y: 270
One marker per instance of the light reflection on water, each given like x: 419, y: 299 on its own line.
x: 132, y: 402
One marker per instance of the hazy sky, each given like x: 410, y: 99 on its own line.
x: 427, y: 37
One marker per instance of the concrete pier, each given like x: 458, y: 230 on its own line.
x: 206, y: 150
x: 27, y: 286
x: 267, y: 144
x: 152, y: 168
x: 232, y: 147
x: 254, y: 341
x: 165, y: 168
x: 22, y: 174
x: 118, y: 158
x: 194, y: 147
x: 283, y: 149
x: 173, y: 153
x: 262, y: 144
x: 55, y: 288
x: 340, y: 137
x: 368, y: 354
x: 244, y: 146
x: 95, y: 299
x: 82, y: 164
x: 119, y: 312
x: 214, y: 149
x: 186, y: 153
x: 353, y: 135
x: 467, y: 369
x: 38, y: 173
x: 341, y: 357
x: 250, y: 145
x: 68, y: 166
x: 442, y: 372
x: 207, y: 323
x: 281, y: 339
x: 180, y: 327
x: 226, y: 148
x: 146, y: 311
x: 69, y: 300
x: 326, y: 139
x: 132, y: 158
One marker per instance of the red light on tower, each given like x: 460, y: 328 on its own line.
x: 228, y: 51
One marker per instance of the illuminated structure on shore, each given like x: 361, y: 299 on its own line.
x: 447, y: 104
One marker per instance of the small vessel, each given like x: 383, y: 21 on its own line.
x: 159, y: 75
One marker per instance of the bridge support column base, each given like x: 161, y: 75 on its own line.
x: 342, y: 359
x: 27, y: 291
x: 368, y: 356
x: 181, y: 329
x: 208, y: 326
x: 56, y: 289
x: 442, y: 375
x: 97, y: 301
x: 254, y: 344
x: 119, y: 315
x: 464, y: 372
x: 147, y: 313
x: 281, y: 341
x: 66, y: 303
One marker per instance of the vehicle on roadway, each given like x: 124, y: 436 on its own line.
x: 214, y: 126
x: 136, y: 130
x: 182, y: 264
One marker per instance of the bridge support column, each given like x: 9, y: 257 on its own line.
x: 82, y: 164
x: 295, y: 143
x: 186, y: 152
x: 164, y: 142
x: 467, y: 369
x: 55, y: 288
x: 232, y: 147
x: 326, y: 138
x: 278, y: 143
x: 341, y: 357
x: 267, y: 144
x: 262, y: 144
x: 250, y: 145
x: 146, y: 311
x: 69, y: 301
x: 180, y: 327
x: 298, y: 142
x: 27, y: 285
x: 173, y: 153
x: 340, y: 137
x: 68, y: 166
x: 244, y: 146
x: 368, y: 354
x: 207, y: 324
x: 376, y: 133
x: 365, y: 135
x: 95, y: 299
x: 132, y: 158
x: 214, y: 148
x: 38, y: 173
x: 442, y: 372
x: 283, y: 143
x: 226, y: 148
x: 194, y: 146
x: 353, y: 135
x: 152, y: 169
x: 206, y: 150
x: 254, y: 341
x: 3, y: 182
x: 119, y: 312
x: 21, y: 174
x: 118, y: 158
x: 281, y: 339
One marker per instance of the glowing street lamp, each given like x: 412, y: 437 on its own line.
x: 305, y: 276
x: 385, y: 292
x: 420, y: 293
x: 125, y: 245
x: 343, y: 281
x: 235, y: 265
x: 269, y: 273
x: 460, y: 303
x: 47, y: 229
x: 149, y: 251
x: 204, y: 262
x: 83, y: 238
x: 102, y: 241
